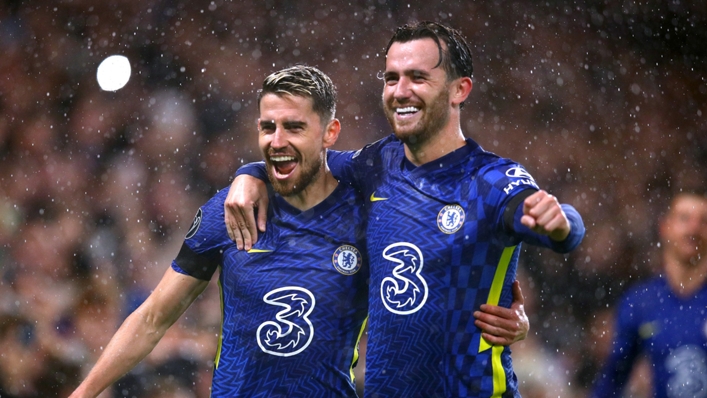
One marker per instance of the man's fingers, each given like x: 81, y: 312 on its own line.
x: 242, y: 237
x: 246, y: 226
x: 531, y: 201
x: 495, y: 335
x: 490, y: 311
x: 556, y: 222
x: 551, y: 214
x: 496, y: 340
x: 528, y: 221
x: 237, y: 226
x: 553, y: 223
x: 488, y: 328
x: 232, y: 226
x: 543, y: 214
x: 236, y: 235
x: 538, y: 203
x: 496, y: 321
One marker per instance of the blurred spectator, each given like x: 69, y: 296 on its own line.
x: 664, y: 319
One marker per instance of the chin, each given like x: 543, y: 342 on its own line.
x: 284, y: 189
x: 410, y: 137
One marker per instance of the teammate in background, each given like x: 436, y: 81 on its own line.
x: 294, y: 306
x: 666, y: 317
x: 444, y: 226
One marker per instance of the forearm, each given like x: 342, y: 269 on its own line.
x: 133, y: 341
x: 141, y: 331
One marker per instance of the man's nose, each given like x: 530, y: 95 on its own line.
x: 279, y: 139
x: 402, y: 88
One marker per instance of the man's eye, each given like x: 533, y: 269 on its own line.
x: 390, y: 79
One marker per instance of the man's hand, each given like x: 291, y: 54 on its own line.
x: 504, y: 326
x: 245, y: 195
x: 543, y: 214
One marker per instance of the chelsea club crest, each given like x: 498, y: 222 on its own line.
x: 347, y: 260
x: 450, y: 219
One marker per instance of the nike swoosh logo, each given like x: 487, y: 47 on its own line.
x: 375, y: 199
x: 259, y: 251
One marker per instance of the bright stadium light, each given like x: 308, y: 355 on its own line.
x: 113, y: 73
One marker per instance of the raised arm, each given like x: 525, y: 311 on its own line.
x: 141, y: 331
x: 541, y: 220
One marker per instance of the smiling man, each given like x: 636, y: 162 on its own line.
x: 445, y: 220
x: 294, y: 306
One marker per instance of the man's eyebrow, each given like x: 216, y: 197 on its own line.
x: 266, y: 123
x: 417, y: 73
x: 409, y: 72
x: 294, y: 124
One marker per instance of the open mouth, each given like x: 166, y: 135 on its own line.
x: 407, y: 111
x: 283, y: 165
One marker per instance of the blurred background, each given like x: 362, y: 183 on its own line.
x: 603, y: 101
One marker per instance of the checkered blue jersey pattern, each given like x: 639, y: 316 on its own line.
x: 671, y: 330
x: 295, y: 305
x: 438, y: 249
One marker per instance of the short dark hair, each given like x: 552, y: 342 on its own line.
x: 304, y: 81
x: 455, y: 59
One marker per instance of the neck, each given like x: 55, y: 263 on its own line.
x: 685, y: 279
x: 446, y: 141
x: 319, y: 189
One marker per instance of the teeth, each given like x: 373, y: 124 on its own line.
x: 282, y: 158
x: 407, y: 109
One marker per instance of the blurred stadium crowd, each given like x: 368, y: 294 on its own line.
x: 604, y: 102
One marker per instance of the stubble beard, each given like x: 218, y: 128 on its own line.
x: 308, y: 174
x: 435, y: 117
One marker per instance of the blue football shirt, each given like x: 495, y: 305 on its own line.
x: 294, y: 306
x: 442, y: 239
x: 439, y: 248
x: 671, y: 330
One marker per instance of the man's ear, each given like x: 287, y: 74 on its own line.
x: 460, y: 90
x: 331, y: 133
